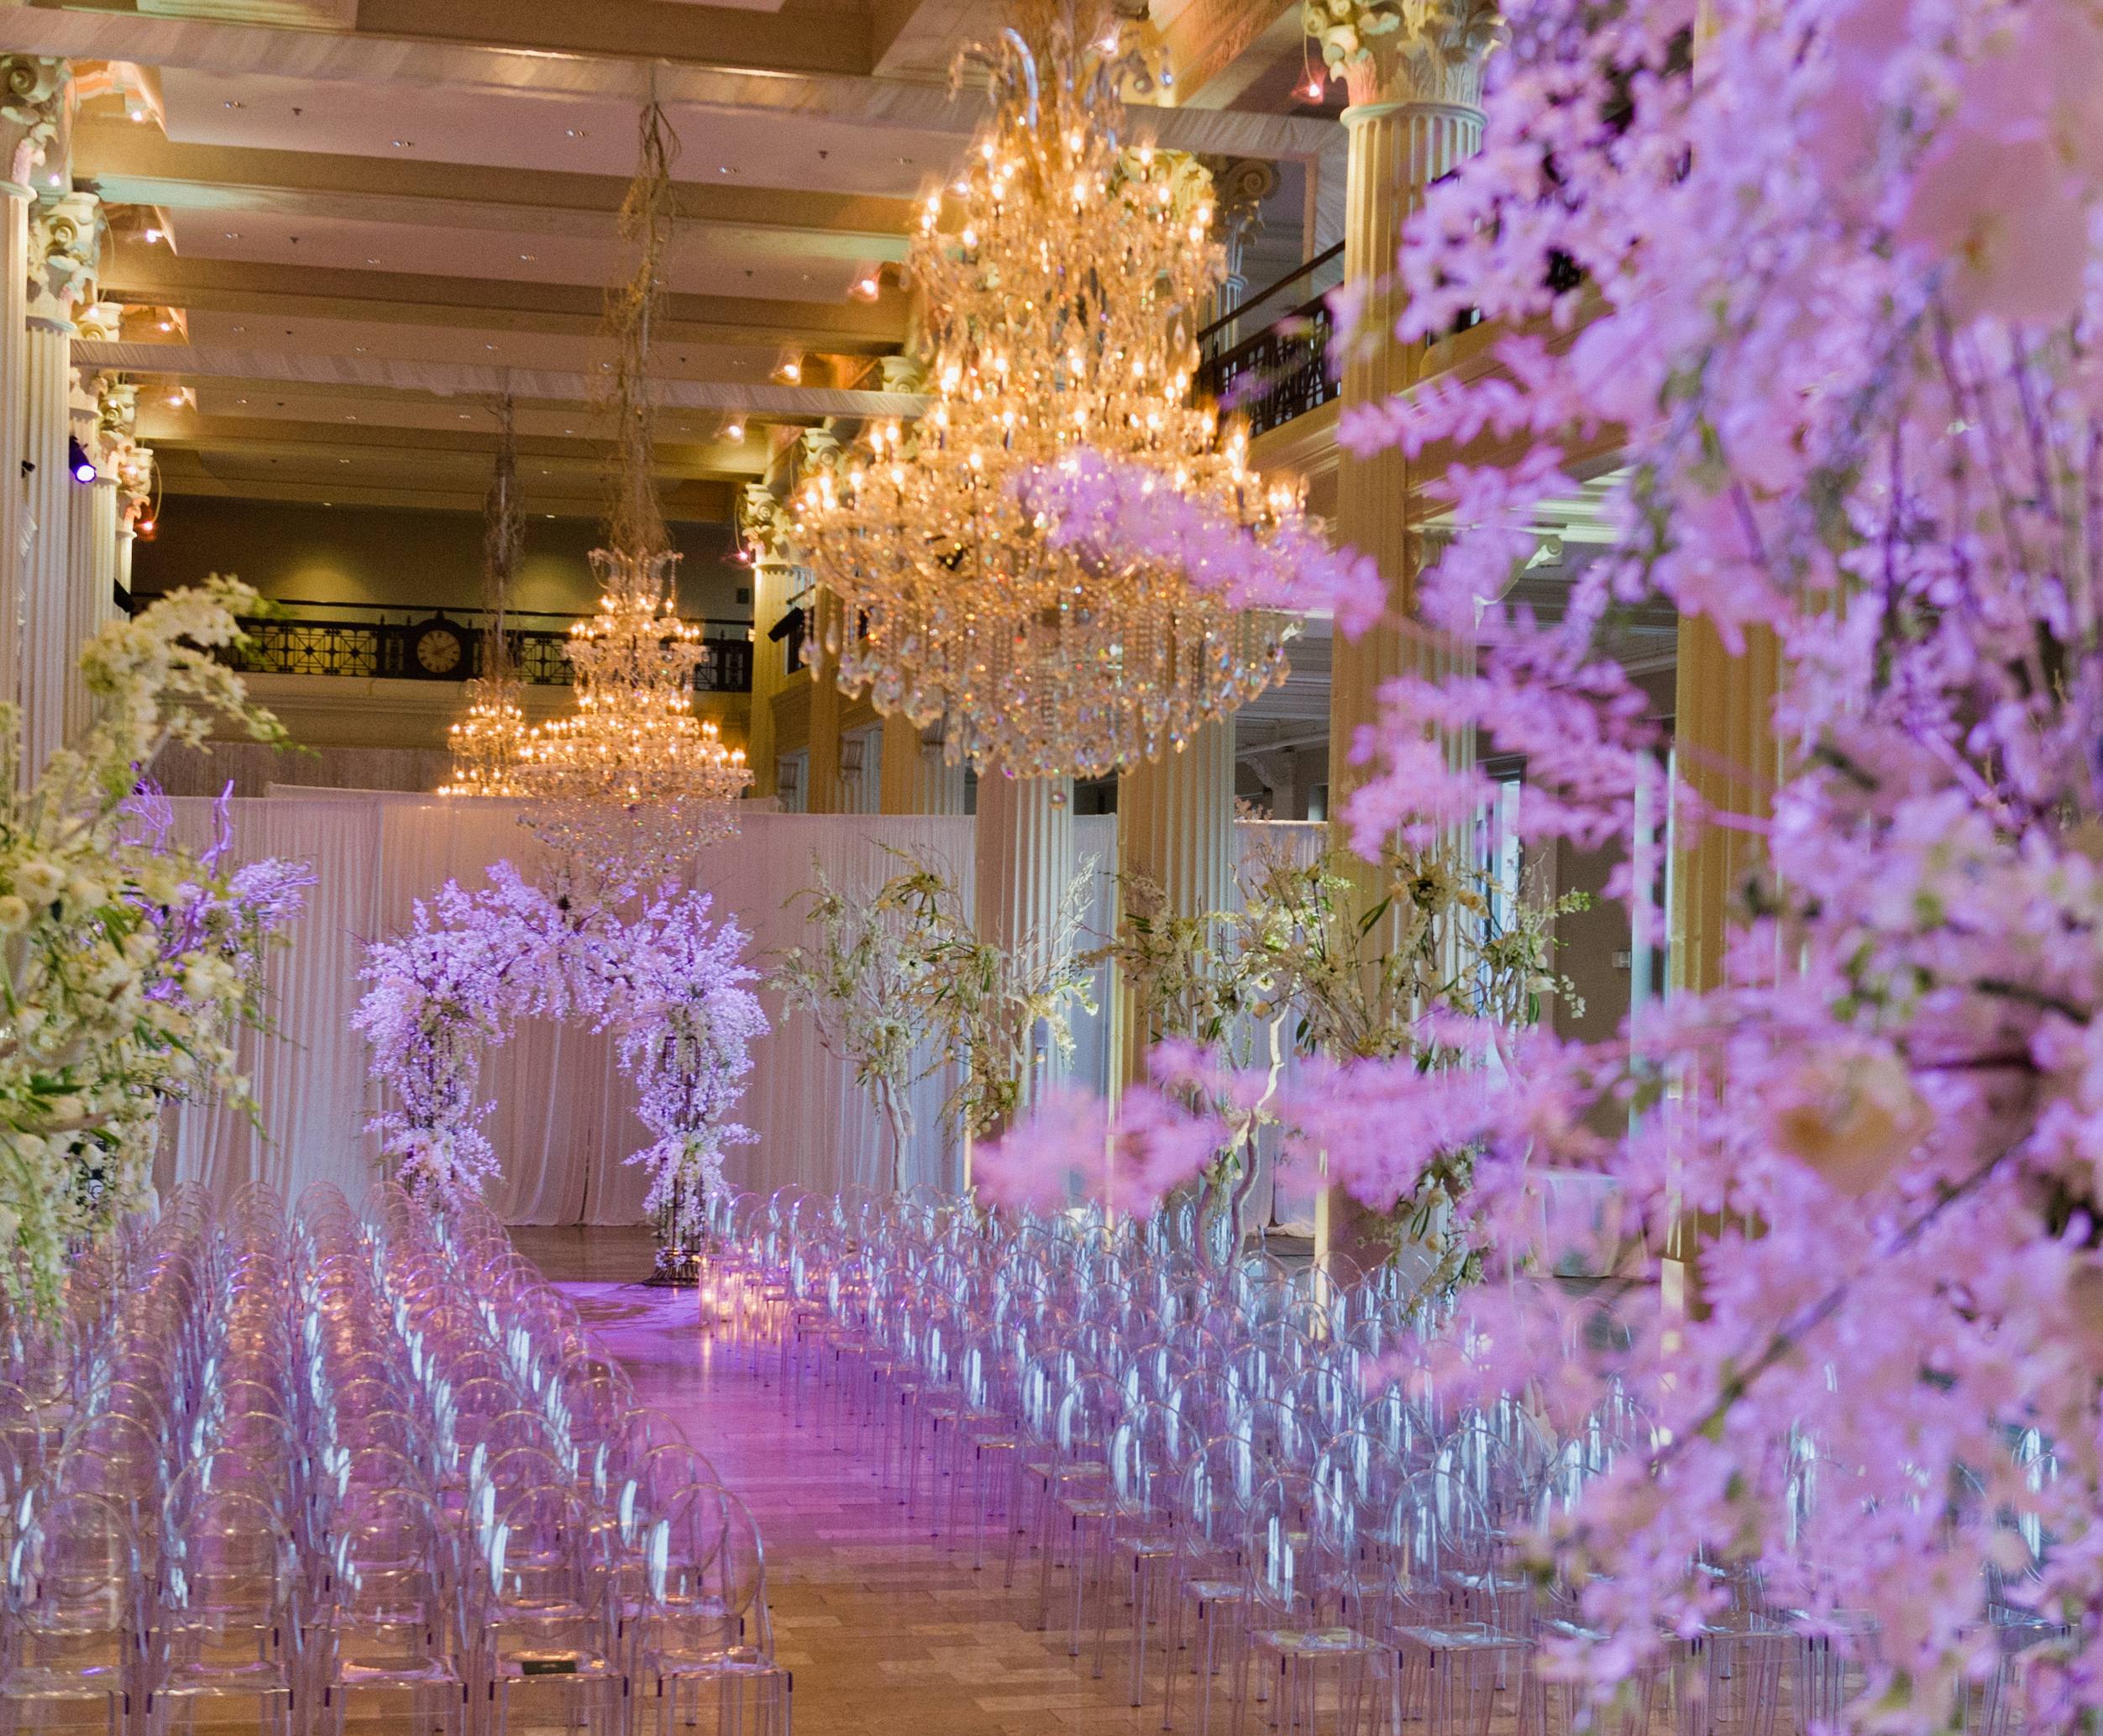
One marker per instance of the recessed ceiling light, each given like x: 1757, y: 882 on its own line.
x: 575, y: 132
x: 372, y: 262
x: 233, y: 105
x: 360, y: 349
x: 551, y: 515
x: 904, y: 162
x: 342, y: 460
x: 167, y: 325
x: 529, y: 257
x: 350, y: 418
x: 240, y: 328
x: 404, y: 143
x: 233, y: 234
x: 240, y: 401
x: 464, y: 416
x: 489, y: 346
x: 719, y: 172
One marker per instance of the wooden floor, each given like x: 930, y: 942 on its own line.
x: 890, y: 1632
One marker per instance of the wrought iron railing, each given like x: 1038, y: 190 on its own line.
x: 333, y: 644
x: 1283, y: 371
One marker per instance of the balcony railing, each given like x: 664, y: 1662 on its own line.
x: 1284, y: 370
x: 361, y: 641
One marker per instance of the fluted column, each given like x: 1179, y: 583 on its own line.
x: 762, y: 528
x: 1175, y: 825
x: 1023, y: 849
x: 1723, y: 731
x: 827, y: 623
x: 915, y: 780
x: 91, y: 552
x: 65, y: 240
x: 1415, y: 113
x: 32, y: 88
x: 14, y: 395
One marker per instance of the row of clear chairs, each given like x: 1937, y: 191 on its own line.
x: 349, y: 1465
x: 1248, y: 1469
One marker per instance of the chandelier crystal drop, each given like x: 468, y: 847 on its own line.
x: 633, y: 778
x: 1062, y: 312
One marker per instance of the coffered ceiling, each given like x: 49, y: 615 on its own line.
x: 342, y: 226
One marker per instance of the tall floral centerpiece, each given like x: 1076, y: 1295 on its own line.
x: 126, y: 962
x: 667, y: 979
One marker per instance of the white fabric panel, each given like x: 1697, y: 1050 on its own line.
x: 565, y: 1117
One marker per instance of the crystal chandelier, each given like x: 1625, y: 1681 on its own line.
x: 486, y: 740
x: 633, y: 778
x: 633, y: 783
x: 1064, y: 314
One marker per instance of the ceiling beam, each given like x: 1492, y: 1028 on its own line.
x: 725, y: 86
x: 136, y: 166
x: 803, y: 37
x: 1207, y: 37
x: 447, y: 380
x: 158, y: 278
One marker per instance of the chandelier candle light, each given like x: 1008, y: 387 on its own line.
x: 1063, y: 317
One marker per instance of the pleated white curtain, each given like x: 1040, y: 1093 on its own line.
x: 565, y: 1117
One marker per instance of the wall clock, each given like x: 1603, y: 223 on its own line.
x: 438, y: 647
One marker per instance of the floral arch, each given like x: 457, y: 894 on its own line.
x: 669, y: 981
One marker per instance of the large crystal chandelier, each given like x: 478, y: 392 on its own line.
x: 486, y: 740
x: 633, y: 783
x: 1062, y: 312
x: 633, y: 776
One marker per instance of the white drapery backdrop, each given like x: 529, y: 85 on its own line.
x: 565, y: 1117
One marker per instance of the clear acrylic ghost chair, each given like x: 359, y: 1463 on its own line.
x: 538, y: 1618
x: 1218, y: 1484
x: 71, y: 1635
x: 390, y: 1633
x: 1284, y: 1621
x: 705, y: 1655
x: 226, y: 1626
x: 1147, y: 1454
x: 1076, y: 1505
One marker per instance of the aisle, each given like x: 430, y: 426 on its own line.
x: 888, y: 1633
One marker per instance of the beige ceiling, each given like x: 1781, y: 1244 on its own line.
x: 370, y: 216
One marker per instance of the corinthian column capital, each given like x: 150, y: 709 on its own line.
x: 1405, y: 51
x: 32, y: 107
x: 66, y: 247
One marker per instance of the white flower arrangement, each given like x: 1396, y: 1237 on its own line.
x: 126, y: 963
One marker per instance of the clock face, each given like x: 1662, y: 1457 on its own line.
x: 439, y: 650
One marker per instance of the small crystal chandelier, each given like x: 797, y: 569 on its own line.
x: 633, y: 783
x: 1063, y: 313
x: 486, y: 740
x: 633, y: 778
